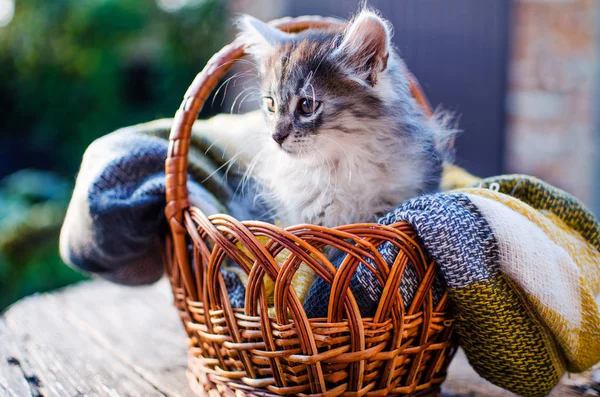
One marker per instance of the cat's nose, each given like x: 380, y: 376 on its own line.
x: 280, y: 136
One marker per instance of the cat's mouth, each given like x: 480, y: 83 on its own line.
x: 297, y: 148
x: 292, y: 150
x: 295, y: 151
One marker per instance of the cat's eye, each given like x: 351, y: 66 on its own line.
x: 307, y: 106
x: 269, y: 104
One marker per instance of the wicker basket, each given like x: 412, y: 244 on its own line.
x: 246, y: 352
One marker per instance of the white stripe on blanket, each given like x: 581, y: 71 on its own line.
x: 542, y: 268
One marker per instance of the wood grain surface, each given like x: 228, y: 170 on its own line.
x: 100, y: 339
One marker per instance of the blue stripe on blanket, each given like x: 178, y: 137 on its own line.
x: 115, y: 223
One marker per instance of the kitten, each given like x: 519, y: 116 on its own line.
x: 349, y: 142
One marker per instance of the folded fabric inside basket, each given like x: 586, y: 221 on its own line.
x: 519, y: 258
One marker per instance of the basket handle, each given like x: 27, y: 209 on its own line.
x: 205, y: 82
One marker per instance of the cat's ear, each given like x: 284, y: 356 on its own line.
x: 259, y: 37
x: 365, y: 46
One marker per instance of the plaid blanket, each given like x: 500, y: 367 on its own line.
x: 519, y: 258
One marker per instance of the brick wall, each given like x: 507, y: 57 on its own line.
x: 551, y: 103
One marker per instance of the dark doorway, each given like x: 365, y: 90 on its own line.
x: 458, y: 50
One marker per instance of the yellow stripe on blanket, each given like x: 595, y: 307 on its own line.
x: 557, y: 269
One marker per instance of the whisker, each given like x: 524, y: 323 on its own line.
x: 241, y: 61
x: 220, y: 168
x: 216, y: 93
x: 226, y: 164
x: 307, y: 81
x: 246, y: 97
x: 237, y: 97
x: 250, y: 137
x: 249, y: 170
x: 216, y: 141
x: 247, y: 62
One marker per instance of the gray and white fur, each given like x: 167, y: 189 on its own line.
x: 349, y: 142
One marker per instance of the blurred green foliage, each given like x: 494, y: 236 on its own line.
x: 73, y: 70
x: 32, y: 207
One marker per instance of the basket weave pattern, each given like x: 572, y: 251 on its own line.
x: 247, y: 352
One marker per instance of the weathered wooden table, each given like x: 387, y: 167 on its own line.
x: 100, y: 339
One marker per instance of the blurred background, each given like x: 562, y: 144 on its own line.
x: 521, y: 74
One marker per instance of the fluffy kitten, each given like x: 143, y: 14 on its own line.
x: 349, y: 142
